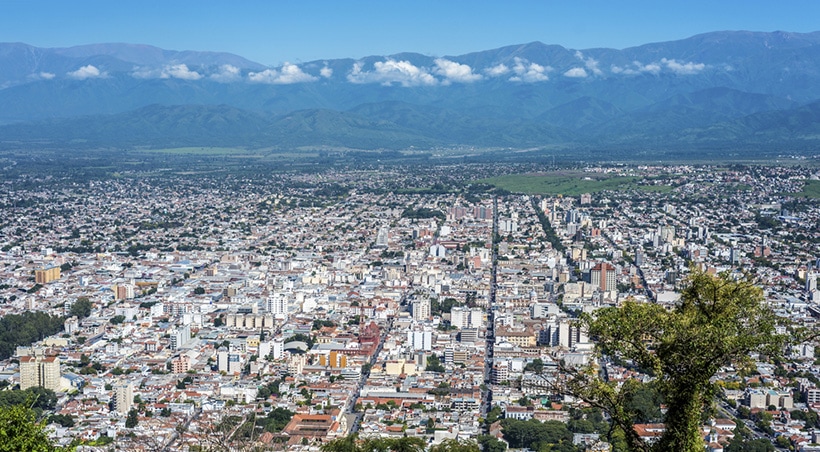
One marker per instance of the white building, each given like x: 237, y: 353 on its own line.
x: 123, y: 397
x: 420, y: 340
x: 421, y: 309
x: 278, y: 306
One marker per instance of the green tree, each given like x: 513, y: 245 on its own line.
x: 490, y: 443
x: 536, y: 365
x: 81, y: 308
x: 454, y: 445
x: 132, y: 420
x: 434, y: 364
x: 352, y: 443
x: 534, y: 434
x: 64, y: 420
x: 719, y: 321
x: 493, y: 415
x: 25, y: 328
x: 21, y: 431
x: 349, y: 443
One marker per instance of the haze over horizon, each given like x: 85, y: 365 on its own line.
x: 275, y: 33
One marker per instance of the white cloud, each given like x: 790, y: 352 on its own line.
x: 291, y: 73
x: 392, y: 71
x: 455, y: 72
x: 286, y: 75
x: 687, y: 68
x: 652, y: 68
x: 497, y: 70
x: 180, y: 71
x: 85, y: 72
x: 143, y: 72
x: 529, y: 72
x: 42, y: 76
x: 326, y: 72
x: 227, y: 73
x: 590, y: 63
x: 576, y: 72
x: 266, y: 76
x: 636, y: 68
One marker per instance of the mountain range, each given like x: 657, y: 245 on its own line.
x: 715, y: 91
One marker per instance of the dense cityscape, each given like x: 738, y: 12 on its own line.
x: 192, y: 312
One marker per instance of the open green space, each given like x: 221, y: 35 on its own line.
x: 200, y: 151
x: 810, y: 190
x: 570, y: 184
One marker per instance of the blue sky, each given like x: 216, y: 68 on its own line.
x: 273, y: 32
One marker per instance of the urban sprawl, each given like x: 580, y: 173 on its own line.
x: 289, y: 311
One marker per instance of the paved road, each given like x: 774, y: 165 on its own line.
x: 357, y: 422
x: 486, y: 395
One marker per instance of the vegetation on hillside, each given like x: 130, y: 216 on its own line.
x: 24, y: 329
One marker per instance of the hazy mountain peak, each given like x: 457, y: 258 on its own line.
x: 533, y: 93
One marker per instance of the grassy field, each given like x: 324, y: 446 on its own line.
x: 570, y: 184
x: 200, y: 151
x: 810, y: 190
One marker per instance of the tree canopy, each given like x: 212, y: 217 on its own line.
x: 25, y: 328
x: 719, y: 321
x: 352, y: 443
x: 81, y: 308
x: 21, y: 431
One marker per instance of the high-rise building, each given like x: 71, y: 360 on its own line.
x: 420, y: 340
x: 459, y: 316
x: 36, y: 369
x: 123, y: 397
x: 278, y: 305
x: 181, y: 364
x: 383, y: 237
x: 602, y: 276
x: 124, y: 292
x: 456, y: 213
x: 421, y: 309
x: 639, y: 257
x: 228, y: 361
x: 277, y: 348
x: 811, y: 282
x: 180, y: 337
x: 483, y: 213
x: 569, y: 334
x: 734, y: 254
x: 46, y: 275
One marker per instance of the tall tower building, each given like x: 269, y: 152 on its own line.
x: 278, y: 306
x: 421, y: 309
x: 602, y: 276
x: 39, y: 370
x: 459, y: 317
x: 383, y: 237
x: 46, y: 275
x: 420, y: 340
x: 123, y: 397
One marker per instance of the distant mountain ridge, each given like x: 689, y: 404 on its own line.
x: 721, y: 89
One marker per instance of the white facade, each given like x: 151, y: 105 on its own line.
x: 421, y: 309
x: 420, y: 340
x: 124, y: 397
